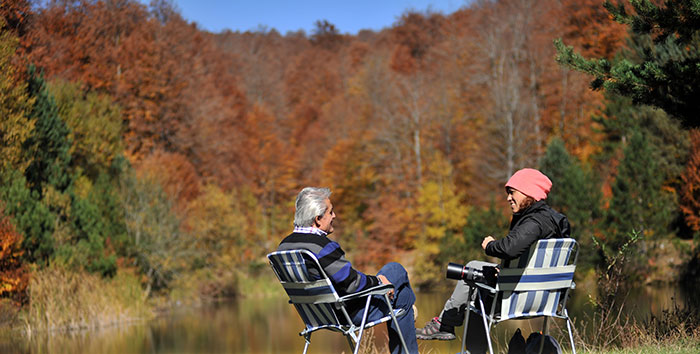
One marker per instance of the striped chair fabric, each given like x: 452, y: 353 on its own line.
x: 315, y: 298
x: 534, y: 284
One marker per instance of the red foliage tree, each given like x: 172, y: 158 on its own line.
x: 16, y: 14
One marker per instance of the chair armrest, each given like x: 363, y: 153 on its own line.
x: 376, y: 290
x: 485, y: 287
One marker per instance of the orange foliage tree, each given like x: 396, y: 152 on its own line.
x: 175, y: 174
x: 14, y: 277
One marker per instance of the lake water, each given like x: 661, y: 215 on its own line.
x: 271, y: 325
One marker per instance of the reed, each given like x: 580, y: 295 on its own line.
x: 673, y: 330
x: 65, y: 300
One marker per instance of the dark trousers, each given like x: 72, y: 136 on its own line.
x: 404, y: 298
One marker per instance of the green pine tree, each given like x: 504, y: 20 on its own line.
x: 32, y: 218
x: 575, y: 193
x: 49, y: 144
x: 86, y: 246
x: 664, y: 70
x: 638, y: 202
x: 668, y: 141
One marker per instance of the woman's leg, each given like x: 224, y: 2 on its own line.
x: 452, y: 314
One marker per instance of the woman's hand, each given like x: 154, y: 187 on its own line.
x: 486, y: 241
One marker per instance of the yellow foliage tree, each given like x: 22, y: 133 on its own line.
x: 15, y: 103
x: 441, y: 209
x: 95, y: 124
x: 219, y: 225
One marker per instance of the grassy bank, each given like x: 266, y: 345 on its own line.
x: 62, y: 300
x: 688, y: 344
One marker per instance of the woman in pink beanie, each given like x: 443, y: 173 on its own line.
x: 532, y: 220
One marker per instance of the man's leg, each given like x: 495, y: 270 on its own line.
x: 404, y: 298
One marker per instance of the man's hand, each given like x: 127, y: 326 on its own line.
x: 486, y: 241
x: 386, y: 281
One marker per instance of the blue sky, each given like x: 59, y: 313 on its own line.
x: 349, y: 16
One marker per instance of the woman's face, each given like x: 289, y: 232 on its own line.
x: 516, y: 199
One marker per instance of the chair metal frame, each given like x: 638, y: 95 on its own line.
x: 547, y: 269
x: 319, y: 304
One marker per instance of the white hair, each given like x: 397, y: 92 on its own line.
x: 310, y: 203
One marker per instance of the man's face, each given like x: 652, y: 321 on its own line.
x: 325, y: 221
x: 516, y: 199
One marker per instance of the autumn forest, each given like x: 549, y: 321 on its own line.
x: 135, y: 144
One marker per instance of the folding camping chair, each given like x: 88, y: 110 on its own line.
x: 537, y: 284
x: 317, y: 302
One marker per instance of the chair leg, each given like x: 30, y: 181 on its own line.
x: 544, y: 333
x: 487, y: 326
x: 466, y: 323
x: 307, y: 339
x: 351, y: 343
x: 396, y: 322
x: 362, y: 325
x: 571, y: 334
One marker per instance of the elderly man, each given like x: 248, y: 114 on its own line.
x: 313, y: 222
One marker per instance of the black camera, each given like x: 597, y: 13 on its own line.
x: 472, y: 275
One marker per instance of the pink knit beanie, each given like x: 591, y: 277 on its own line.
x: 531, y: 182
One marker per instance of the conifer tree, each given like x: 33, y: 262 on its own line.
x: 668, y: 141
x: 49, y: 144
x: 32, y: 218
x: 574, y: 192
x: 638, y: 202
x: 664, y: 72
x: 86, y: 247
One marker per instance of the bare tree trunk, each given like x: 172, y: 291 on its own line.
x: 535, y: 107
x: 564, y: 95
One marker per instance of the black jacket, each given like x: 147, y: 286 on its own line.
x: 538, y: 221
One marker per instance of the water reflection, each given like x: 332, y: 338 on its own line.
x: 270, y: 325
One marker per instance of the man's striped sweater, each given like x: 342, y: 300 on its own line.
x: 345, y: 278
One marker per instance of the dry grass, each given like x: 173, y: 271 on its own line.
x: 62, y: 300
x: 675, y: 330
x: 368, y: 344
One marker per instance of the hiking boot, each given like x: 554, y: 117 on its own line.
x: 432, y: 331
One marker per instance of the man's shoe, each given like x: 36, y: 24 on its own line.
x: 432, y: 331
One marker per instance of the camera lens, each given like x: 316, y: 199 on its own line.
x: 454, y: 271
x: 462, y: 272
